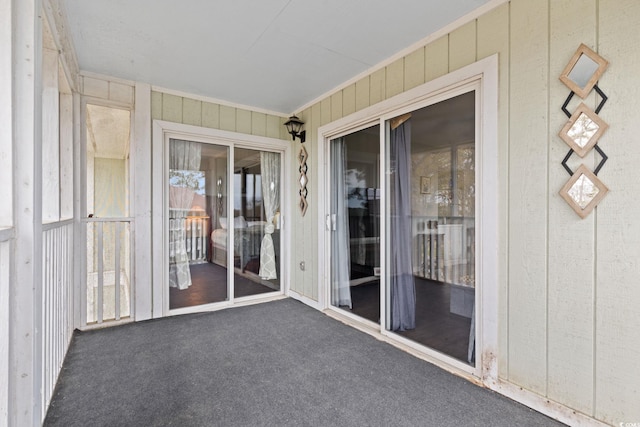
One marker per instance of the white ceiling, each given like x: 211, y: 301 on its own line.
x: 274, y: 55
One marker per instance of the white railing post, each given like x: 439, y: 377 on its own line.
x: 106, y: 271
x: 100, y: 259
x: 116, y: 270
x: 57, y: 301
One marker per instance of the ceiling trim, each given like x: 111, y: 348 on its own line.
x: 218, y: 101
x: 474, y: 14
x: 107, y: 78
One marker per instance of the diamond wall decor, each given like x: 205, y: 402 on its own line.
x: 584, y: 190
x: 302, y: 160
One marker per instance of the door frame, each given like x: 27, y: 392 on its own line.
x: 162, y: 132
x: 484, y: 74
x: 82, y: 214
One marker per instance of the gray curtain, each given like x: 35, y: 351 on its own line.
x: 402, y: 285
x: 340, y: 256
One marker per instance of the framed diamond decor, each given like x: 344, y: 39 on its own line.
x: 583, y: 191
x: 303, y: 181
x: 583, y: 71
x: 584, y: 129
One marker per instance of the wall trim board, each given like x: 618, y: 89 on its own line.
x: 543, y: 405
x: 303, y: 299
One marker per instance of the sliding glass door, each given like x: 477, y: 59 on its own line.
x: 430, y: 279
x: 223, y: 222
x: 256, y: 217
x: 428, y: 195
x: 355, y: 223
x: 198, y: 187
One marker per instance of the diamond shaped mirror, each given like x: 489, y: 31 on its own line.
x: 583, y: 71
x: 583, y: 130
x: 583, y: 191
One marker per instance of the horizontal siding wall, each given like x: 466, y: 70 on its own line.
x: 569, y: 328
x: 178, y: 109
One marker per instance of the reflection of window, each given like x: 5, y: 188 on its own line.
x: 191, y: 182
x: 248, y: 193
x: 454, y: 180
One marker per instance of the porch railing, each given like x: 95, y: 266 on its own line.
x: 108, y: 270
x: 6, y: 236
x: 57, y: 301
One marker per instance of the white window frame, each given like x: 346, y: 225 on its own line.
x: 481, y: 76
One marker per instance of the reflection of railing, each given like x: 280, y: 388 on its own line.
x: 108, y: 269
x: 445, y: 250
x: 57, y: 296
x: 196, y: 234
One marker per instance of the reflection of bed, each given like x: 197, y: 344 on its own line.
x: 247, y: 240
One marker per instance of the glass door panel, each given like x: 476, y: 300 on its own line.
x: 430, y: 289
x: 355, y: 223
x: 198, y: 237
x: 257, y: 178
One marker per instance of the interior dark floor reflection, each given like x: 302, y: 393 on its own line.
x: 436, y: 326
x: 209, y: 285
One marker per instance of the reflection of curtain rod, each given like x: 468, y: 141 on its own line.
x: 397, y: 121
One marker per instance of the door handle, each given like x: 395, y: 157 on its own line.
x: 330, y: 222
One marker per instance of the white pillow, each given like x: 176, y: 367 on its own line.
x: 223, y: 222
x: 239, y: 222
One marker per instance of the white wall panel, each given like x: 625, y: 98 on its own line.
x: 5, y: 110
x: 571, y: 240
x: 617, y: 250
x: 528, y: 190
x: 493, y: 37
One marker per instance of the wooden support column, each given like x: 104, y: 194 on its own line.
x: 50, y: 136
x: 141, y: 177
x: 25, y: 354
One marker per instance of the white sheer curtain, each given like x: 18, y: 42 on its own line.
x: 183, y: 156
x: 270, y: 171
x: 341, y: 258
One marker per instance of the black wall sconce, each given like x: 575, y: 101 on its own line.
x: 294, y: 125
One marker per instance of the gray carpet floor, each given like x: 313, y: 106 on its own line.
x: 274, y: 364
